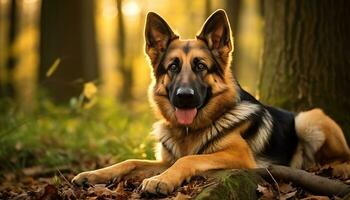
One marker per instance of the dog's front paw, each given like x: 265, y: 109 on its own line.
x: 158, y: 185
x: 85, y: 178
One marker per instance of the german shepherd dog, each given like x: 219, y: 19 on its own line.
x: 209, y: 122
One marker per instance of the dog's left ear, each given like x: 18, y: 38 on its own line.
x: 216, y: 32
x: 158, y: 35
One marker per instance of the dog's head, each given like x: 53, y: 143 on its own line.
x: 192, y: 78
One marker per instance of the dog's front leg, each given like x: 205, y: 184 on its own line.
x: 189, y: 166
x: 129, y: 168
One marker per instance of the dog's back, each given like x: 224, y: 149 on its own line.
x: 278, y: 127
x: 299, y: 140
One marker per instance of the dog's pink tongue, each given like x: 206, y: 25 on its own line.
x: 185, y: 116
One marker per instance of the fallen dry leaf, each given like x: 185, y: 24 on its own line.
x: 288, y: 195
x: 316, y: 198
x: 286, y: 188
x: 266, y: 192
x: 181, y: 196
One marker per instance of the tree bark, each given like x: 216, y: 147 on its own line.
x: 67, y: 32
x: 306, y: 57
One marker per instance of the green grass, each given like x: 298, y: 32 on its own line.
x: 56, y: 135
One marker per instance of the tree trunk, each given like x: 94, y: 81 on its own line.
x: 68, y: 33
x: 125, y: 69
x: 306, y: 57
x: 4, y: 26
x: 9, y: 60
x: 233, y: 10
x: 207, y: 9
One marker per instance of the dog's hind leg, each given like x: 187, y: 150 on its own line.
x: 311, y: 137
x: 321, y: 141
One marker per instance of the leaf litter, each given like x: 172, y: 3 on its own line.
x: 24, y: 187
x: 28, y: 188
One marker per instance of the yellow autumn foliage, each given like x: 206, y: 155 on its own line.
x: 90, y: 90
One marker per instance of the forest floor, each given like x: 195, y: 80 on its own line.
x: 59, y: 187
x: 39, y: 183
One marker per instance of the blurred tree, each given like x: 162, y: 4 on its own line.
x: 306, y: 57
x: 125, y: 70
x: 246, y: 24
x: 208, y: 8
x: 68, y: 33
x: 233, y: 10
x: 9, y: 60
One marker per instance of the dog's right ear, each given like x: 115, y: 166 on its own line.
x: 158, y: 35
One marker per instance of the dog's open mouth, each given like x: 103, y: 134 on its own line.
x: 185, y: 116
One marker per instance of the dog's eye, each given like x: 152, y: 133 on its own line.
x: 174, y: 67
x: 200, y: 67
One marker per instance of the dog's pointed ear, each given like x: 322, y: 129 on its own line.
x: 216, y: 32
x: 158, y: 35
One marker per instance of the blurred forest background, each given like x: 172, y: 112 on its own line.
x: 74, y: 77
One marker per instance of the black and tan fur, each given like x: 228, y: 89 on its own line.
x: 231, y: 128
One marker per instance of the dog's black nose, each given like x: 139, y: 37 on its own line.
x: 185, y: 92
x: 185, y: 97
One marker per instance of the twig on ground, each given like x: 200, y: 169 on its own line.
x: 64, y: 178
x: 274, y: 180
x: 68, y: 182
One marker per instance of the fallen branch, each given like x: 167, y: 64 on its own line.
x: 314, y: 183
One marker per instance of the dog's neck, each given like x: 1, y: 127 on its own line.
x: 171, y: 137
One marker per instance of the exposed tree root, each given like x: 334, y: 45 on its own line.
x: 317, y: 184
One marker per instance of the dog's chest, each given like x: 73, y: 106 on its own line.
x: 179, y: 142
x: 182, y: 143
